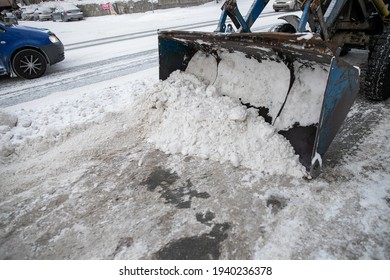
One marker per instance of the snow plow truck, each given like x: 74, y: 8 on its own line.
x: 307, y: 50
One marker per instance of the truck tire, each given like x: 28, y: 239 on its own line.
x: 29, y: 64
x: 377, y: 82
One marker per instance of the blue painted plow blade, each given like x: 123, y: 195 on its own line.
x: 341, y: 92
x: 297, y: 81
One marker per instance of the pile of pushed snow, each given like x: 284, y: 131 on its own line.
x: 266, y: 84
x: 181, y: 115
x: 42, y: 122
x: 185, y: 116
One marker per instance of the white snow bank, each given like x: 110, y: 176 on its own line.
x: 245, y: 78
x: 45, y: 121
x: 304, y: 101
x: 266, y: 84
x: 185, y: 116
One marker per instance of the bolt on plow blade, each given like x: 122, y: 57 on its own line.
x: 296, y: 81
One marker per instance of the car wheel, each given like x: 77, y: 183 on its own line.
x: 29, y: 64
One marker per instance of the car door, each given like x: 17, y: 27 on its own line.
x: 3, y: 55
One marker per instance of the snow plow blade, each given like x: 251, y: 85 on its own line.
x: 297, y: 81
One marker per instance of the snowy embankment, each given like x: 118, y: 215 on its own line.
x: 183, y: 115
x: 83, y: 177
x: 52, y: 147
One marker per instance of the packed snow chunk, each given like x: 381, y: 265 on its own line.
x: 304, y: 102
x: 238, y: 113
x: 262, y: 84
x: 204, y: 66
x: 215, y: 127
x: 6, y: 149
x: 8, y: 119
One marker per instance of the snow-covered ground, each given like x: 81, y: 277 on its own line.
x: 136, y: 168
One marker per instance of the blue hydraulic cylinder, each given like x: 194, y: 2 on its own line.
x: 245, y: 23
x: 333, y: 11
x: 254, y: 12
x: 221, y: 24
x: 305, y: 17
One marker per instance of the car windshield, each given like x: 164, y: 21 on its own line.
x: 29, y: 9
x: 44, y: 9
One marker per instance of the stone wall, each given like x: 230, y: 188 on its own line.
x: 128, y: 7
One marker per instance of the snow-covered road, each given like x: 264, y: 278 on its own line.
x: 115, y: 168
x: 112, y: 51
x: 18, y: 91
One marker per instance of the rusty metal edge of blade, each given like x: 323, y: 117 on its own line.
x: 305, y: 46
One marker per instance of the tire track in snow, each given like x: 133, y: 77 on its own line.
x: 76, y: 76
x: 14, y: 91
x: 148, y: 33
x: 131, y: 36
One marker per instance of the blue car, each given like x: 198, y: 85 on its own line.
x: 27, y: 51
